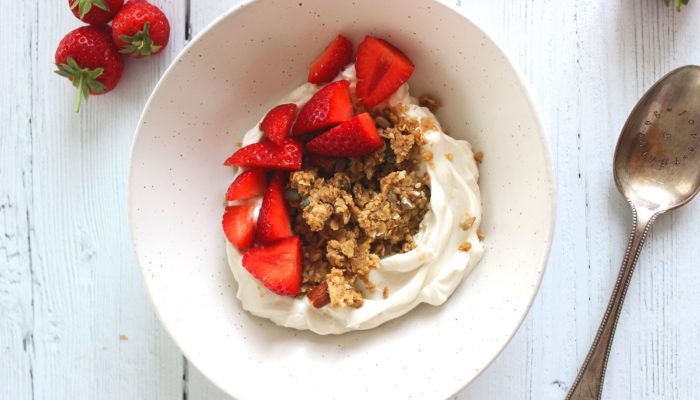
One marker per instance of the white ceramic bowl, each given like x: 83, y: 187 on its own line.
x: 220, y: 85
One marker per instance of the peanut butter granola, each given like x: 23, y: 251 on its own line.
x: 351, y: 212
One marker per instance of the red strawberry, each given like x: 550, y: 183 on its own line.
x: 278, y: 266
x: 286, y: 156
x: 90, y: 60
x: 278, y: 122
x: 354, y: 138
x: 329, y: 106
x: 329, y: 64
x: 95, y: 12
x: 239, y: 225
x: 273, y: 221
x: 140, y: 29
x: 381, y: 69
x: 248, y: 184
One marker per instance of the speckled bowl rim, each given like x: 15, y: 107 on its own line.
x: 544, y: 143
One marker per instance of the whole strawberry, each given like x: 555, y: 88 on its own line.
x: 95, y: 12
x: 140, y: 29
x: 88, y: 57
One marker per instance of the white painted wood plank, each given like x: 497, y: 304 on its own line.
x: 201, y: 388
x: 203, y: 12
x: 659, y: 355
x: 16, y: 306
x: 95, y: 333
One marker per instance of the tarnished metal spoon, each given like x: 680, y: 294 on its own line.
x: 657, y: 169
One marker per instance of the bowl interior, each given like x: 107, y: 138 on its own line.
x: 223, y: 83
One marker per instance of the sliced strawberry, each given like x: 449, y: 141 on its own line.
x: 286, y: 156
x: 273, y: 221
x: 239, y: 225
x: 247, y: 185
x: 381, y: 69
x: 278, y: 266
x: 329, y: 64
x: 278, y: 122
x: 329, y: 106
x: 354, y: 138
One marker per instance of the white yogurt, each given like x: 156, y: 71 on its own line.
x: 427, y: 274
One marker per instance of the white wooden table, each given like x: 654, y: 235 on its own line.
x: 76, y: 322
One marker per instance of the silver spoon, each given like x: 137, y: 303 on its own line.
x: 657, y: 169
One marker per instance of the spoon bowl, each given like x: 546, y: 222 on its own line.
x: 655, y: 164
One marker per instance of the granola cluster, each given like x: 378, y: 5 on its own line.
x: 351, y: 212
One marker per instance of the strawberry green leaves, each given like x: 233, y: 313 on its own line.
x: 84, y: 6
x: 83, y: 78
x: 140, y: 44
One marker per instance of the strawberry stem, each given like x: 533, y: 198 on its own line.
x: 81, y: 82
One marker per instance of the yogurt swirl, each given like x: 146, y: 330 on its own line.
x: 429, y: 273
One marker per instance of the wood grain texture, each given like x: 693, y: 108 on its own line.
x: 76, y: 323
x: 16, y: 270
x: 69, y: 282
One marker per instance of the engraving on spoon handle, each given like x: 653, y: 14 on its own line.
x: 589, y: 382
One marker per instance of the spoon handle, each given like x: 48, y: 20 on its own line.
x: 589, y: 382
